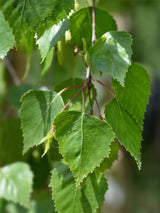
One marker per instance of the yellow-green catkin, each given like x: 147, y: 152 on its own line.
x: 61, y: 51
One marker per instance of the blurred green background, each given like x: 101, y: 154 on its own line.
x: 130, y: 190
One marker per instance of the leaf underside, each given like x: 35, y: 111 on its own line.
x: 51, y: 37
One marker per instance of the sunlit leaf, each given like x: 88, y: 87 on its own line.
x: 84, y: 141
x: 16, y: 183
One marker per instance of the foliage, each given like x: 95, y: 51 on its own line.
x: 75, y: 143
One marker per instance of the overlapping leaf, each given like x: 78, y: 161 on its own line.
x: 76, y: 104
x: 125, y: 127
x: 128, y: 108
x: 81, y: 25
x: 39, y: 109
x: 134, y: 96
x: 112, y: 54
x: 6, y: 37
x: 34, y: 15
x: 107, y: 162
x: 70, y: 198
x: 16, y: 183
x: 51, y: 37
x: 84, y: 141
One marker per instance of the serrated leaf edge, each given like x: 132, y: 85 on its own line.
x: 21, y: 126
x: 30, y: 190
x: 78, y: 182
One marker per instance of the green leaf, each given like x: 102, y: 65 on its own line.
x: 51, y: 37
x: 76, y: 104
x: 10, y: 141
x: 81, y: 25
x: 84, y: 141
x: 134, y: 96
x: 42, y: 203
x: 39, y: 109
x: 107, y: 162
x: 112, y: 54
x: 34, y: 15
x: 15, y: 93
x: 16, y: 183
x: 69, y: 93
x: 125, y: 127
x: 6, y: 37
x: 47, y: 62
x: 70, y: 198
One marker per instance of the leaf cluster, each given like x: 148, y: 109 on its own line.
x: 63, y: 121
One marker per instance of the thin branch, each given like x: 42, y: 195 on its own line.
x: 12, y: 71
x: 73, y: 86
x: 99, y: 111
x: 90, y: 101
x: 72, y: 99
x: 109, y: 90
x: 83, y: 103
x: 93, y: 24
x: 86, y: 97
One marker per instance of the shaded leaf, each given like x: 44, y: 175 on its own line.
x: 76, y: 104
x: 84, y: 141
x: 71, y: 198
x: 51, y: 37
x: 16, y: 183
x: 134, y: 96
x: 107, y: 162
x: 81, y: 25
x: 15, y: 93
x: 6, y: 37
x: 69, y: 93
x: 125, y: 127
x: 34, y: 15
x: 10, y: 141
x: 39, y: 109
x: 112, y: 54
x: 48, y: 62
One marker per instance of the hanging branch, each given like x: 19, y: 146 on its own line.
x: 93, y: 24
x: 104, y: 85
x: 99, y: 111
x: 72, y: 99
x: 12, y: 71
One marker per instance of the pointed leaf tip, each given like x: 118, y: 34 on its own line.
x: 89, y: 195
x: 84, y: 141
x: 39, y: 108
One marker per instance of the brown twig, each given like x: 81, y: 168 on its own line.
x: 83, y: 103
x: 90, y: 101
x: 72, y: 99
x: 99, y: 111
x: 66, y: 88
x: 104, y: 85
